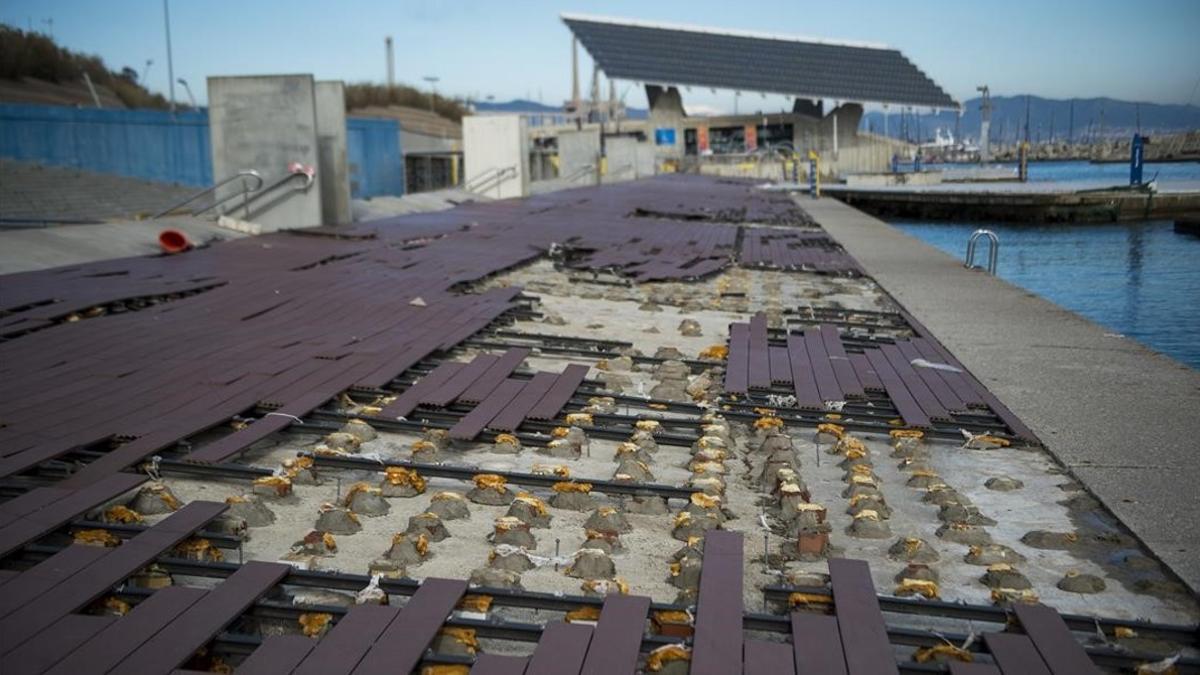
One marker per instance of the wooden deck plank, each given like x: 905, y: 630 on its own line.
x: 804, y: 382
x: 717, y: 642
x: 407, y: 402
x: 737, y: 365
x: 860, y: 621
x: 57, y: 513
x: 617, y: 638
x: 768, y: 658
x: 561, y: 649
x: 171, y: 647
x: 560, y: 392
x: 494, y: 376
x: 758, y: 360
x: 51, y: 645
x: 1059, y: 649
x: 458, y: 383
x: 110, y: 646
x: 957, y: 668
x: 401, y: 645
x: 1015, y: 654
x: 472, y: 423
x: 514, y: 413
x: 33, y: 582
x: 343, y: 648
x: 817, y: 644
x: 277, y: 655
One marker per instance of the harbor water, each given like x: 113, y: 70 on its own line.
x: 1141, y: 280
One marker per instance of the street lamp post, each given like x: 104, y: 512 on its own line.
x: 189, y: 91
x: 432, y: 80
x: 170, y: 63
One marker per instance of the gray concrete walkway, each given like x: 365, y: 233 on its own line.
x: 1124, y: 419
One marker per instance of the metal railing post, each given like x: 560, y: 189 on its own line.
x: 993, y: 250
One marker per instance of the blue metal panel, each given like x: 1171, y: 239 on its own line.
x: 373, y: 154
x: 150, y: 144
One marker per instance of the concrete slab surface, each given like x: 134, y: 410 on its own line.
x: 32, y: 193
x: 1125, y: 420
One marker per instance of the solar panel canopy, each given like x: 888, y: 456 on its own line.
x: 660, y: 54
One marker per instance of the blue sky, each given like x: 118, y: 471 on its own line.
x: 1146, y: 50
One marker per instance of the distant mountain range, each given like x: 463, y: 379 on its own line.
x: 1093, y: 118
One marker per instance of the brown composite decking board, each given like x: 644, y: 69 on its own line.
x: 737, y: 366
x: 94, y: 580
x: 1053, y: 640
x: 915, y: 385
x: 178, y: 640
x: 822, y: 369
x: 59, y: 512
x: 960, y: 382
x: 909, y: 411
x: 781, y: 367
x: 617, y: 638
x: 860, y: 621
x: 277, y: 655
x: 497, y: 664
x: 51, y: 645
x: 25, y: 504
x: 515, y: 412
x: 561, y: 649
x: 474, y: 422
x: 407, y: 402
x: 494, y: 376
x: 717, y: 639
x: 768, y: 658
x: 957, y: 668
x: 804, y: 382
x: 400, y: 647
x: 843, y: 370
x: 32, y: 583
x: 560, y: 392
x: 866, y: 374
x: 342, y: 649
x: 817, y: 644
x: 110, y: 646
x: 758, y: 373
x: 1015, y: 654
x: 458, y: 383
x: 941, y: 390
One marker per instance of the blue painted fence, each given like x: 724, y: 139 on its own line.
x: 173, y: 148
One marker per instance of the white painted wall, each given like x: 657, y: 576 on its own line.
x: 496, y: 142
x: 333, y: 173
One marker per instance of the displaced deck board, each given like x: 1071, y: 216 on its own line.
x: 57, y: 513
x: 1015, y: 654
x: 717, y: 641
x: 109, y: 647
x: 768, y: 658
x: 847, y: 379
x: 50, y: 646
x: 472, y: 423
x: 909, y: 411
x: 343, y: 648
x: 617, y: 638
x: 561, y: 649
x: 497, y: 664
x: 32, y: 583
x: 29, y: 502
x: 817, y: 644
x: 401, y: 645
x: 193, y: 629
x: 866, y: 374
x: 95, y: 579
x: 957, y: 668
x: 737, y: 367
x: 1049, y: 633
x: 758, y: 358
x: 804, y: 383
x: 494, y: 376
x: 515, y: 412
x: 408, y: 401
x: 781, y: 366
x: 277, y: 655
x: 860, y: 621
x: 458, y: 383
x: 822, y: 369
x: 560, y: 392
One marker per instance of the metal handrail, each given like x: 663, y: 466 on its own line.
x: 579, y: 173
x: 490, y: 178
x: 246, y: 190
x: 993, y: 250
x: 308, y: 181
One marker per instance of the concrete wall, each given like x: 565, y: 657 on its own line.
x: 579, y: 156
x: 494, y: 143
x: 416, y: 143
x: 666, y: 112
x: 622, y: 164
x: 267, y: 123
x: 333, y: 173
